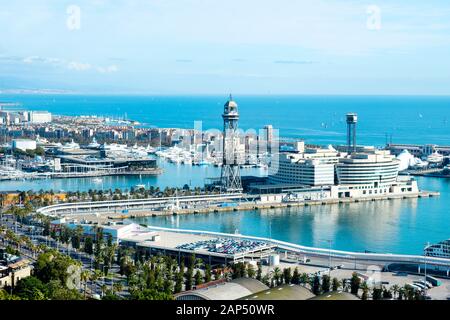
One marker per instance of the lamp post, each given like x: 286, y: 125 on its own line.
x: 425, y: 271
x: 329, y: 241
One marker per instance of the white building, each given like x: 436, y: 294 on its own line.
x: 118, y: 232
x: 314, y: 167
x: 40, y: 117
x: 371, y: 167
x: 370, y: 172
x: 23, y: 144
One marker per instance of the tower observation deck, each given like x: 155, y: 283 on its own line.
x: 230, y: 178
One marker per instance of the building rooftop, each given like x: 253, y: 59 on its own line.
x: 284, y: 292
x: 339, y: 295
x: 231, y: 290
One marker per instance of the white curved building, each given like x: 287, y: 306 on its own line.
x: 377, y: 168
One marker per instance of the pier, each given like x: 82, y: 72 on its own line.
x: 202, y: 204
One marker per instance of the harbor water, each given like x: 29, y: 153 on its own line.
x: 395, y: 226
x: 390, y: 226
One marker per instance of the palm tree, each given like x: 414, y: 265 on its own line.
x: 395, y: 289
x: 365, y: 289
x: 401, y: 293
x: 94, y: 276
x: 304, y: 278
x: 277, y: 275
x: 336, y: 284
x: 117, y: 287
x: 198, y: 263
x: 85, y: 276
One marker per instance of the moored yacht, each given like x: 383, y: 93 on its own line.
x: 440, y: 250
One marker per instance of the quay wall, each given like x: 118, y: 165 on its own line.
x: 143, y: 208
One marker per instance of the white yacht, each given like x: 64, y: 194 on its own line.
x: 113, y: 147
x: 150, y: 150
x: 439, y: 250
x: 138, y: 151
x: 94, y: 144
x: 70, y: 146
x: 435, y: 158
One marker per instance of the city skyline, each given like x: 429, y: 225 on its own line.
x: 194, y: 47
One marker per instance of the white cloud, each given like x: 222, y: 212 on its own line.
x: 70, y: 65
x: 78, y: 66
x: 109, y: 69
x: 30, y: 59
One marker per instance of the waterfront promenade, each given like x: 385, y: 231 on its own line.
x: 102, y: 211
x: 197, y: 204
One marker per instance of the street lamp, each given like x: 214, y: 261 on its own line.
x: 425, y: 261
x: 329, y: 262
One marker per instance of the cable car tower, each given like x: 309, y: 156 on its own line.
x: 230, y: 178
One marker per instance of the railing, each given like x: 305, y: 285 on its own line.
x: 77, y: 206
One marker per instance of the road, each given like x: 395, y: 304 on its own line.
x: 35, y: 234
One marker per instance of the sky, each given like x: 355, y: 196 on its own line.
x: 217, y: 46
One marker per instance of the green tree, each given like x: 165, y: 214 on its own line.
x: 88, y: 245
x: 277, y: 276
x: 189, y: 278
x: 58, y: 291
x: 198, y: 278
x: 395, y: 290
x: 52, y: 265
x: 179, y: 278
x: 31, y: 288
x: 251, y: 271
x: 387, y: 294
x: 207, y: 273
x: 304, y: 278
x: 365, y: 290
x: 377, y: 293
x: 325, y: 283
x: 355, y: 282
x: 316, y: 285
x: 259, y: 272
x: 336, y: 284
x: 287, y: 275
x: 296, y: 276
x: 150, y: 294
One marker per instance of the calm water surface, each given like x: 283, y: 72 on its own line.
x: 398, y: 226
x: 395, y: 226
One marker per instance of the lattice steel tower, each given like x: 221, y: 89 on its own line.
x: 230, y: 177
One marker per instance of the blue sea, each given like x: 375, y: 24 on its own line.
x: 317, y: 119
x: 400, y: 226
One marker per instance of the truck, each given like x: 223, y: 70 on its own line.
x: 435, y: 282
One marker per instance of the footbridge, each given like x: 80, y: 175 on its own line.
x: 77, y: 208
